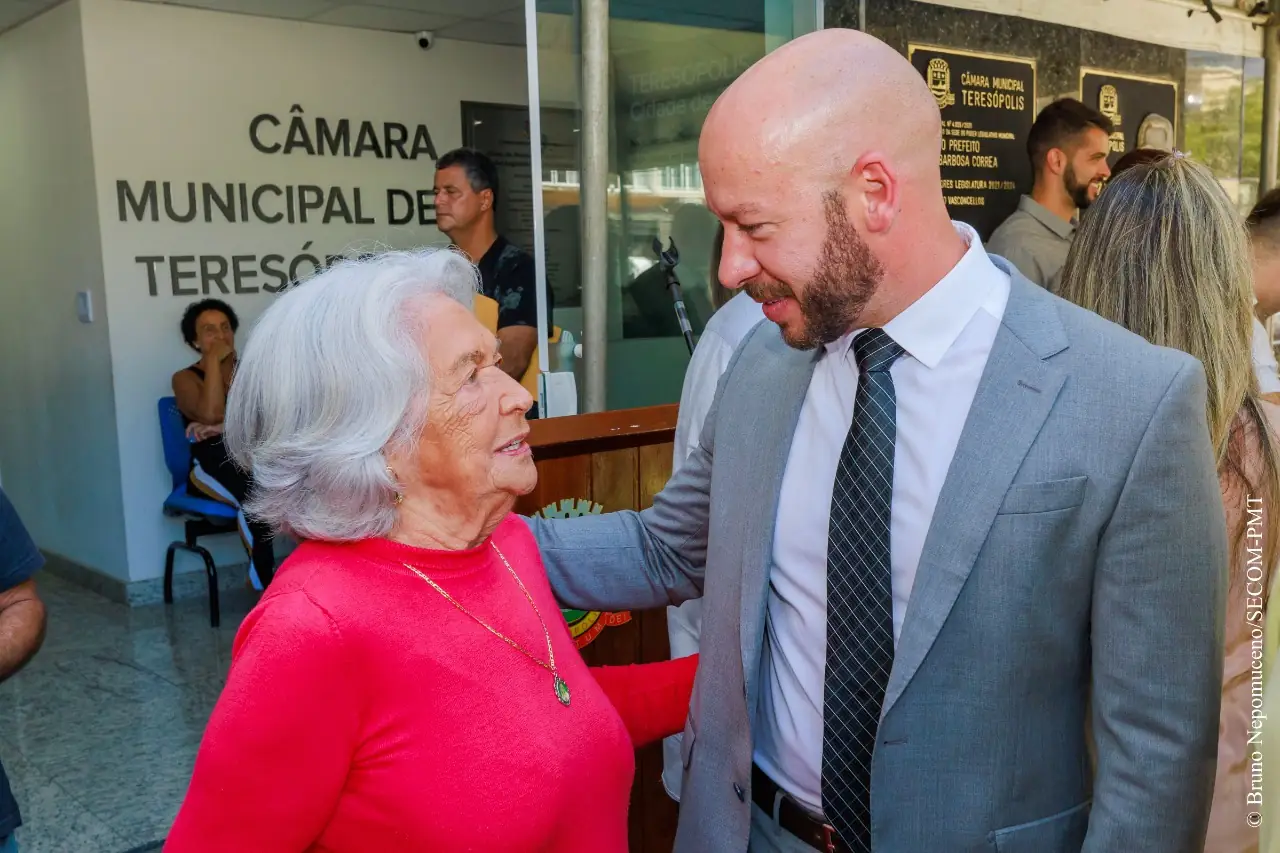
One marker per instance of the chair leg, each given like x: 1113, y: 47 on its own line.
x: 168, y: 572
x: 211, y: 571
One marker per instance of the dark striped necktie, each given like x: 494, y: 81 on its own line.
x: 859, y: 595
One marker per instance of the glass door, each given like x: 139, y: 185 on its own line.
x: 666, y: 64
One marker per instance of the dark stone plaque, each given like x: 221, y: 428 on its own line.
x: 1144, y: 109
x: 988, y: 104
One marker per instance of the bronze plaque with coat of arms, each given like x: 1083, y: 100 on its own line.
x: 1144, y: 110
x: 988, y: 104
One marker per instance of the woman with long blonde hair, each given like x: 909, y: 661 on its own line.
x: 1164, y: 254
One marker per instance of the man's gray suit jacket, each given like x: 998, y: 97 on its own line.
x: 1078, y: 547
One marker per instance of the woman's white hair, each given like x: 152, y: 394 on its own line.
x: 332, y: 377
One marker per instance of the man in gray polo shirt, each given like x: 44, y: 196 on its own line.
x: 1068, y: 146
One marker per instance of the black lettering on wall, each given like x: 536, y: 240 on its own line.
x: 269, y: 218
x: 191, y: 203
x: 128, y: 201
x: 393, y: 198
x: 367, y: 141
x: 336, y: 208
x: 151, y: 261
x: 213, y: 270
x: 176, y: 275
x: 239, y: 274
x: 255, y: 128
x: 422, y: 144
x: 330, y: 141
x: 396, y: 135
x: 296, y: 265
x: 298, y: 136
x: 226, y: 206
x: 332, y: 137
x: 361, y: 219
x: 309, y: 198
x: 270, y: 269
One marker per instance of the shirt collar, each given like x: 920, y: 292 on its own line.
x: 1046, y: 217
x: 928, y: 327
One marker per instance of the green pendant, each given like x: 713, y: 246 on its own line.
x: 562, y: 691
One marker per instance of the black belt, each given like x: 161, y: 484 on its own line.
x: 793, y: 817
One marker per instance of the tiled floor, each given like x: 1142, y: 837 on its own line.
x: 98, y: 734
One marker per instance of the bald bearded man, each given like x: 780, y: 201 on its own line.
x: 933, y: 509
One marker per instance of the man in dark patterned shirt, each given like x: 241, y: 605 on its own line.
x: 466, y: 195
x: 22, y: 622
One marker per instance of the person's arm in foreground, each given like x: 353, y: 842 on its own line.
x: 651, y: 698
x: 280, y: 742
x: 631, y: 560
x: 637, y: 560
x: 1159, y: 593
x: 22, y: 614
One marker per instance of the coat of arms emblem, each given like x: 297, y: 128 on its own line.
x: 939, y: 77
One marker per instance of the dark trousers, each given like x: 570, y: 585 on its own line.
x: 217, y: 463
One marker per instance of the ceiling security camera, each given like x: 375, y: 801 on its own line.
x: 426, y: 39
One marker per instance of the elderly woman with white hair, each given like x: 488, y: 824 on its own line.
x: 407, y: 682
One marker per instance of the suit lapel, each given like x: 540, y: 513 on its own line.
x: 781, y: 380
x: 1017, y: 390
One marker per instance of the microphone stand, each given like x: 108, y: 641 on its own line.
x: 667, y: 261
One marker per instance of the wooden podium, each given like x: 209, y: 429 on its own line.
x: 601, y: 463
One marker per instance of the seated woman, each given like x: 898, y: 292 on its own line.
x: 407, y: 682
x: 209, y: 327
x: 1164, y: 254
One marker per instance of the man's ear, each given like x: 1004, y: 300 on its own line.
x: 876, y: 183
x: 1055, y: 162
x: 486, y: 199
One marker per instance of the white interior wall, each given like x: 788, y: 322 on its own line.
x: 58, y: 436
x: 172, y: 93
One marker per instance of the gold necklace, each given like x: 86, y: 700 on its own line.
x: 557, y: 683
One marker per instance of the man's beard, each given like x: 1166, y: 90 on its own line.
x: 846, y: 277
x: 1079, y: 192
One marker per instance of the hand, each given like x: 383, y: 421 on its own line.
x: 200, y: 432
x: 218, y: 353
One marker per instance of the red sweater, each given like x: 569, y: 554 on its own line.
x: 363, y: 712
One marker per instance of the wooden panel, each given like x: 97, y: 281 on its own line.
x: 579, y: 435
x: 655, y: 470
x: 614, y: 485
x: 615, y: 479
x: 558, y: 479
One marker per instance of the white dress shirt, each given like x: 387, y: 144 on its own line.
x: 947, y: 335
x: 719, y: 341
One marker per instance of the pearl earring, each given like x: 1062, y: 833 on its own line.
x: 399, y: 496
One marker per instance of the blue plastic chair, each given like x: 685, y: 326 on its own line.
x: 203, y: 517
